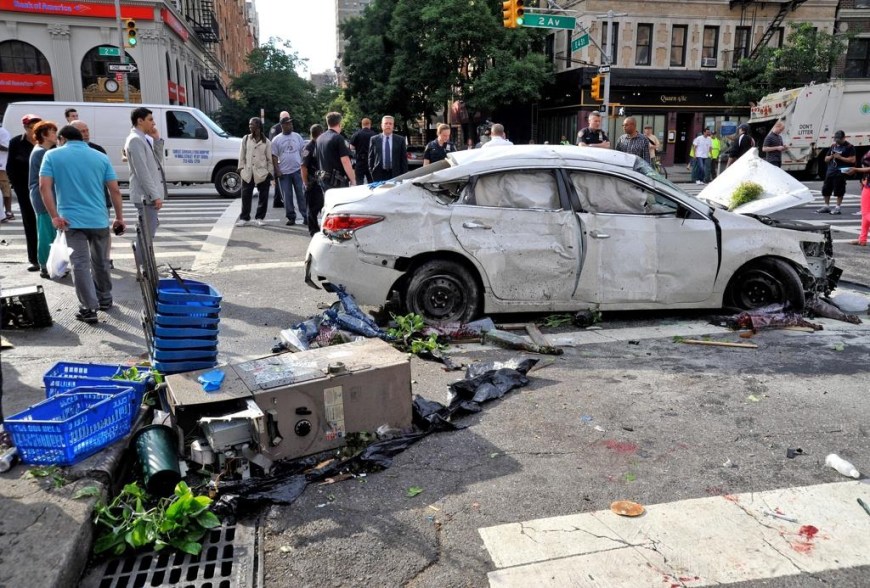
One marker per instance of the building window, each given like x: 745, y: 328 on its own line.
x: 858, y: 59
x: 741, y: 44
x: 22, y: 58
x: 862, y: 3
x: 710, y: 50
x: 549, y: 48
x: 643, y: 51
x: 678, y: 45
x: 777, y: 38
x: 614, y: 54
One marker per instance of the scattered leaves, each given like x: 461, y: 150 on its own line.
x: 413, y: 491
x: 54, y: 473
x: 557, y: 320
x: 745, y: 193
x: 630, y: 477
x: 86, y: 492
x: 753, y: 398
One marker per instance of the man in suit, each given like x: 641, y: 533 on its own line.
x: 388, y: 153
x: 146, y: 185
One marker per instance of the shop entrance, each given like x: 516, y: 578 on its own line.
x: 684, y: 140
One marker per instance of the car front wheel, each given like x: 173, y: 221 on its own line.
x: 443, y: 291
x: 768, y: 281
x: 228, y: 182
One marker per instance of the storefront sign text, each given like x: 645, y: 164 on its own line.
x: 14, y: 83
x: 174, y: 24
x: 85, y: 9
x: 665, y: 99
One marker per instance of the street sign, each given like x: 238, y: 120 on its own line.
x: 110, y: 52
x: 548, y: 21
x: 118, y: 67
x: 579, y: 43
x: 119, y: 77
x: 602, y: 69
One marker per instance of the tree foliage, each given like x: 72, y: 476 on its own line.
x: 271, y: 83
x: 410, y: 57
x: 806, y: 56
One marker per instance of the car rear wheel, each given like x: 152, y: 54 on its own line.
x: 228, y: 182
x: 443, y: 291
x: 768, y: 281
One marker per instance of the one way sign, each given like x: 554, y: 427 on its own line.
x: 119, y: 67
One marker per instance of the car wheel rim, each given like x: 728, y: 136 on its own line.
x: 441, y: 298
x: 230, y: 182
x: 758, y: 289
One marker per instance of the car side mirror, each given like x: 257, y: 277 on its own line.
x: 200, y: 133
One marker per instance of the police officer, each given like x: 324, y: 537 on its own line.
x: 439, y: 148
x: 333, y: 156
x: 360, y: 141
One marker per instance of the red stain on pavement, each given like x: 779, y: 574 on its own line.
x: 731, y: 498
x: 805, y: 544
x: 620, y: 446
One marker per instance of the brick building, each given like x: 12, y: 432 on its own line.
x: 666, y: 57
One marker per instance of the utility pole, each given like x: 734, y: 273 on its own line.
x: 608, y: 60
x: 121, y: 47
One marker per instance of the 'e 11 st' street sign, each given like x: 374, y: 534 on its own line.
x: 548, y: 21
x: 579, y: 43
x: 121, y: 67
x: 110, y: 52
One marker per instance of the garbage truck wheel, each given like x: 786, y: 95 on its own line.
x: 443, y: 291
x: 763, y: 282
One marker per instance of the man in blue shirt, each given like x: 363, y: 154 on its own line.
x: 77, y: 174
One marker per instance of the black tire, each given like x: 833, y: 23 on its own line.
x: 443, y: 291
x: 228, y: 182
x: 763, y: 282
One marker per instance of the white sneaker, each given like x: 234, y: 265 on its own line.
x: 836, y: 210
x: 260, y: 222
x: 699, y: 182
x: 241, y: 223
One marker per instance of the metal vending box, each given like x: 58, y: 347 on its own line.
x: 310, y: 400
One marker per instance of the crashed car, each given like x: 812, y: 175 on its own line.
x: 559, y: 228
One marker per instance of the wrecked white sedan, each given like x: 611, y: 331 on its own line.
x: 552, y: 228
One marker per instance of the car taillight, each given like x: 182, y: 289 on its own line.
x: 342, y: 226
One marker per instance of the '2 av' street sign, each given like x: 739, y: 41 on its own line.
x: 548, y: 21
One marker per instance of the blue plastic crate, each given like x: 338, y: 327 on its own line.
x: 185, y: 332
x: 169, y: 290
x: 65, y: 376
x: 201, y: 343
x: 136, y: 395
x: 177, y: 367
x: 67, y: 428
x: 158, y: 354
x: 191, y: 308
x: 195, y: 321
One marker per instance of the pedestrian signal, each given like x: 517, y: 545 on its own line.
x: 596, y: 87
x: 512, y: 14
x: 131, y: 34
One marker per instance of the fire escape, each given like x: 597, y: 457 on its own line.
x: 201, y: 16
x: 784, y: 9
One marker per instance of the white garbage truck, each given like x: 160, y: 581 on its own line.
x: 811, y: 115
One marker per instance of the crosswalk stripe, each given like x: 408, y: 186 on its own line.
x: 697, y: 542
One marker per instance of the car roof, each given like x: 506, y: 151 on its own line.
x: 475, y: 161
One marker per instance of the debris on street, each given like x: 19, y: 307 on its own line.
x: 627, y: 508
x: 719, y: 343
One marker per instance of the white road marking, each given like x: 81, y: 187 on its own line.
x: 209, y: 256
x: 689, y: 543
x: 259, y: 266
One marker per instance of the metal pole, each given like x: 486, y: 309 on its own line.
x: 608, y: 60
x: 122, y: 54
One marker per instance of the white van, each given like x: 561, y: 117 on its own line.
x: 197, y: 149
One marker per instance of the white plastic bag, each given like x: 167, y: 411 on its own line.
x: 58, y: 257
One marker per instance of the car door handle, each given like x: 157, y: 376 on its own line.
x: 597, y: 235
x: 475, y: 225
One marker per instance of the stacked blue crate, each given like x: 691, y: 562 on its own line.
x: 184, y: 334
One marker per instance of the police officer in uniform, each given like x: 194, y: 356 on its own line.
x: 333, y: 156
x: 360, y: 141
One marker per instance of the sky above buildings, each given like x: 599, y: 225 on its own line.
x: 309, y: 25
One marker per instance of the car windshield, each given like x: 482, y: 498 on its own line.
x: 211, y: 124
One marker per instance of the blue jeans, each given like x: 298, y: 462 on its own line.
x: 701, y: 169
x: 290, y: 184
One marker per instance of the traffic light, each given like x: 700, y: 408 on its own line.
x: 512, y: 14
x: 596, y: 88
x: 131, y: 34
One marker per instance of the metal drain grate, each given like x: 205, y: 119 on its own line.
x: 227, y: 561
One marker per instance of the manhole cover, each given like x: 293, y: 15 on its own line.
x: 228, y: 560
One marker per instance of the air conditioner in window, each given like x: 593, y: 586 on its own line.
x: 708, y: 62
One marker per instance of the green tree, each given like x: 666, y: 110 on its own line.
x: 272, y: 84
x: 806, y: 56
x: 410, y: 57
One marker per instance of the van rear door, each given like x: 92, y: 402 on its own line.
x: 188, y: 144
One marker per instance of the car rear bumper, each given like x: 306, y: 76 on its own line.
x: 338, y: 263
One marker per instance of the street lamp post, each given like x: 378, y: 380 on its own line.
x: 608, y: 59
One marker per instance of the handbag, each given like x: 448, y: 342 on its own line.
x: 59, y: 257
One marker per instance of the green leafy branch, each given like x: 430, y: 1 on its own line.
x: 745, y: 193
x: 134, y: 520
x: 409, y: 336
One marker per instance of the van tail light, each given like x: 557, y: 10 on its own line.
x: 342, y: 226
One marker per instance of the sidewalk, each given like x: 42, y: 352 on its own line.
x: 45, y: 535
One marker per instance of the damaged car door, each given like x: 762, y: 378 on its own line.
x: 641, y: 246
x: 520, y: 229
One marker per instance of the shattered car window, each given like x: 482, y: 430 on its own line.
x: 518, y: 189
x: 601, y: 193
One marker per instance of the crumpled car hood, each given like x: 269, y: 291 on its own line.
x: 781, y: 190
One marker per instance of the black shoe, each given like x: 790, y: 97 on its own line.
x: 290, y: 223
x: 277, y: 204
x: 105, y: 305
x: 87, y: 316
x: 44, y: 274
x: 33, y: 267
x: 111, y: 264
